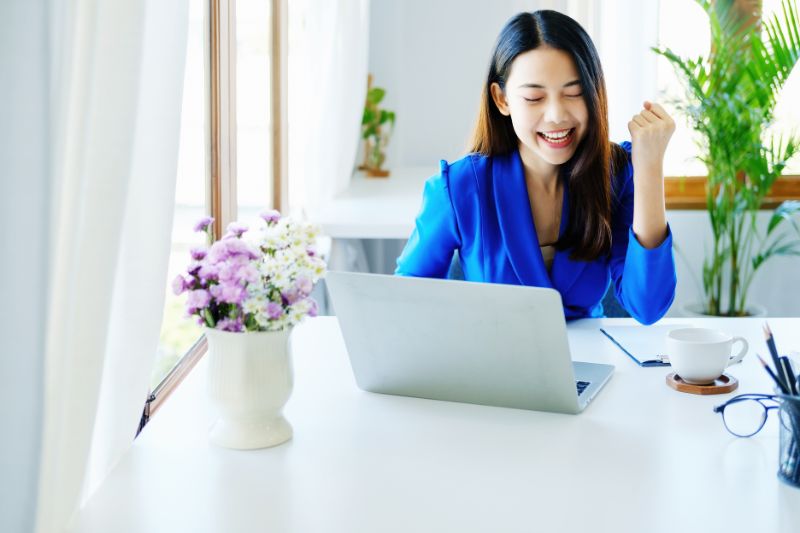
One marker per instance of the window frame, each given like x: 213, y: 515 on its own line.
x: 689, y: 192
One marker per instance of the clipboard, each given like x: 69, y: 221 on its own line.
x: 643, y: 344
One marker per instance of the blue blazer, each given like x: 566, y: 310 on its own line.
x: 479, y: 207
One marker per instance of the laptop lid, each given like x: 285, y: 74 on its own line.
x: 482, y: 343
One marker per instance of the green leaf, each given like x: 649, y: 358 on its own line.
x: 786, y: 211
x: 375, y: 95
x: 369, y: 116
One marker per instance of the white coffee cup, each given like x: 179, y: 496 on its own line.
x: 701, y: 355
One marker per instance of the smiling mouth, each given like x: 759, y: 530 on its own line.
x: 558, y: 138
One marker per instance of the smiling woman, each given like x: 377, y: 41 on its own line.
x: 544, y: 199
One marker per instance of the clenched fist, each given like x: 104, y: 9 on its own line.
x: 650, y: 130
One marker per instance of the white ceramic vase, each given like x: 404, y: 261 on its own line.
x: 250, y: 379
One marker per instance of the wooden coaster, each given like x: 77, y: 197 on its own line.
x: 723, y: 385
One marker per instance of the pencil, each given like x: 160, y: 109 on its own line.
x: 773, y: 351
x: 772, y: 375
x: 788, y: 375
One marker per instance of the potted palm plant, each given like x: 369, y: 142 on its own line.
x: 731, y: 94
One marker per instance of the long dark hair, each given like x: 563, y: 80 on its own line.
x: 588, y: 173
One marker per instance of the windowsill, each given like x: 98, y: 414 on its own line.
x: 689, y: 192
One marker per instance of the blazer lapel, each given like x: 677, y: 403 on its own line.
x: 565, y: 271
x: 516, y: 222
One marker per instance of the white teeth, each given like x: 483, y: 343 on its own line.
x: 556, y: 136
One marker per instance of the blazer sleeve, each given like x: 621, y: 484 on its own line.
x: 430, y: 248
x: 644, y: 279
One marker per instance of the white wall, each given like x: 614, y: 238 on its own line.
x: 432, y: 58
x: 24, y: 132
x: 776, y: 285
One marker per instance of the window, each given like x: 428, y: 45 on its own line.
x: 683, y: 27
x: 253, y: 125
x: 230, y: 157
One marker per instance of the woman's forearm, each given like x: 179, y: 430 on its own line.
x: 649, y: 212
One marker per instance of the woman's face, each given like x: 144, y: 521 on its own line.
x: 543, y: 96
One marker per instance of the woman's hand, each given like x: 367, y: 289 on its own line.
x: 650, y: 130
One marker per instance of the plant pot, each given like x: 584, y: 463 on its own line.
x: 697, y: 309
x: 250, y: 379
x: 376, y: 173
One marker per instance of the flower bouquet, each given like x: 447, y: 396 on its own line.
x: 258, y: 282
x: 248, y: 290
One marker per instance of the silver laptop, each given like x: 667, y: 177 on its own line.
x: 459, y: 341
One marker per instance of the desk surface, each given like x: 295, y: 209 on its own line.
x: 375, y: 208
x: 642, y: 457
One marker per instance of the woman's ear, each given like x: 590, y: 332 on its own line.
x: 499, y: 98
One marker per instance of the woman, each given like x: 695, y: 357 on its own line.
x: 545, y: 199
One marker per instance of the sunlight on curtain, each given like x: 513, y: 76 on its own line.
x: 328, y: 44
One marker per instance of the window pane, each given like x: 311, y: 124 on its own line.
x: 683, y: 27
x: 253, y: 130
x: 787, y: 112
x: 179, y: 333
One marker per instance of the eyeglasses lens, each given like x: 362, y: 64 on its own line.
x: 744, y: 418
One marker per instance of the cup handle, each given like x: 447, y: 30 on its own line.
x: 738, y: 357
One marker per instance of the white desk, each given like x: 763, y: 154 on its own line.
x: 376, y: 208
x: 641, y: 458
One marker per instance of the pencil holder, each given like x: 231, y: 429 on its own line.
x: 789, y: 458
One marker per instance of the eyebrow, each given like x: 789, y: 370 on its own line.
x: 536, y: 86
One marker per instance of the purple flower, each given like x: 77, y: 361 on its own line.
x: 199, y: 253
x: 227, y: 248
x: 270, y: 216
x: 179, y: 285
x: 274, y: 311
x: 236, y: 272
x: 291, y: 296
x: 203, y: 223
x: 197, y: 299
x: 248, y: 273
x: 232, y: 294
x: 303, y: 285
x: 208, y: 272
x: 313, y: 309
x: 230, y: 324
x: 311, y: 251
x: 235, y: 229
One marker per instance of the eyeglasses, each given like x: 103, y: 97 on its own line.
x: 746, y: 414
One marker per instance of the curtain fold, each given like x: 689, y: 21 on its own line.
x: 328, y: 45
x: 115, y: 156
x: 139, y: 286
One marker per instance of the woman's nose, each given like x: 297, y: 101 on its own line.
x: 554, y: 112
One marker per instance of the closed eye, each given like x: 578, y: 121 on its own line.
x: 532, y: 99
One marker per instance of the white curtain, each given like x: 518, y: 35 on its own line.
x: 328, y: 45
x: 117, y: 109
x: 624, y: 31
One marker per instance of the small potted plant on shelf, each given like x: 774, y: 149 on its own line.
x: 376, y: 129
x: 731, y: 93
x: 248, y: 291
